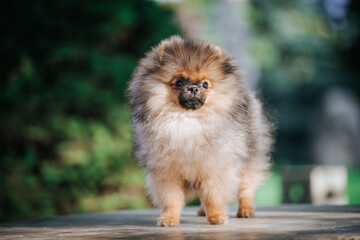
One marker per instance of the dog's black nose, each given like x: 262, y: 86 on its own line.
x: 193, y: 90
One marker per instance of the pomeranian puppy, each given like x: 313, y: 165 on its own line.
x: 199, y: 130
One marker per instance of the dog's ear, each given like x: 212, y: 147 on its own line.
x: 218, y: 51
x: 161, y: 48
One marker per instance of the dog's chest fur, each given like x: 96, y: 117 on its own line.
x: 191, y: 142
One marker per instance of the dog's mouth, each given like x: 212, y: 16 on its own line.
x: 191, y: 102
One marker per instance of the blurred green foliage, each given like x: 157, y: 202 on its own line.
x: 271, y: 192
x: 302, y: 51
x: 65, y: 128
x: 353, y: 188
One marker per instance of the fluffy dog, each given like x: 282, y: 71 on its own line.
x: 199, y: 130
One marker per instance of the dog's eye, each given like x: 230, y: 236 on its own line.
x: 179, y: 83
x: 205, y: 85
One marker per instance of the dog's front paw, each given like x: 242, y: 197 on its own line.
x: 245, y: 212
x: 218, y: 219
x: 167, y: 221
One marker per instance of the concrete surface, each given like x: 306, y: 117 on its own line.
x: 281, y: 222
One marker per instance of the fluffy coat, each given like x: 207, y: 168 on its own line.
x: 218, y: 151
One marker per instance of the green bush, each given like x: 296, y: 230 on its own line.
x: 64, y: 123
x: 302, y: 52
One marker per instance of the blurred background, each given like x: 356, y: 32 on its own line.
x: 66, y: 138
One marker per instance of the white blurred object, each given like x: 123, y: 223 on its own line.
x: 328, y: 185
x: 235, y: 36
x: 337, y: 131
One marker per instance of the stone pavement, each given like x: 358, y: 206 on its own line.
x: 280, y: 222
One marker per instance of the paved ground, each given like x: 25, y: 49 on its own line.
x: 282, y: 222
